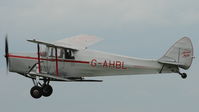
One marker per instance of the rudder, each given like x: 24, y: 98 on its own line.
x: 180, y: 54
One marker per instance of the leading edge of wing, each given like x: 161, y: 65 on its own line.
x: 50, y: 44
x: 75, y: 43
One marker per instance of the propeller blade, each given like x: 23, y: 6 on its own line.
x: 6, y: 52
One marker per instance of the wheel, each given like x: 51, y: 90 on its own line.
x: 184, y: 75
x: 36, y: 92
x: 47, y: 90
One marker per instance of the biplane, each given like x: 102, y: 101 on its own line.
x: 70, y: 60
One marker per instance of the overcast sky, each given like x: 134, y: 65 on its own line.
x: 138, y: 28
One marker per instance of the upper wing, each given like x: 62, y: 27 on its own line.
x: 75, y: 43
x: 78, y: 42
x: 50, y: 44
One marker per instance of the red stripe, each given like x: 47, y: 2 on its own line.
x: 73, y: 61
x: 61, y: 60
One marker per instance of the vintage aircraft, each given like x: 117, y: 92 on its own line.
x: 69, y: 60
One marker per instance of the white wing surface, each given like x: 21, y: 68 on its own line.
x: 78, y: 42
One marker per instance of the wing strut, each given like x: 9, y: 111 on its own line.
x: 39, y: 59
x: 57, y: 72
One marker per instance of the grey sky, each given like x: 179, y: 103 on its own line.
x: 139, y: 28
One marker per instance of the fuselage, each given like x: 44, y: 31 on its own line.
x: 86, y: 63
x: 69, y: 60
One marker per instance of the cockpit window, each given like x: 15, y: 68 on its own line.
x: 61, y: 53
x: 51, y: 52
x: 43, y: 51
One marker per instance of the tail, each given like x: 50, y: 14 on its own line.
x: 180, y: 54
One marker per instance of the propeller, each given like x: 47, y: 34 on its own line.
x: 6, y: 52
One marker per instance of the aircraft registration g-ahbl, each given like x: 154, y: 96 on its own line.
x: 69, y: 60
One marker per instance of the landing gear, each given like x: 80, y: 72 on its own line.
x: 36, y: 92
x: 183, y: 75
x: 47, y: 90
x: 41, y: 89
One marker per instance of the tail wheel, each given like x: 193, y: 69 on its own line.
x: 47, y: 90
x: 184, y: 75
x: 36, y: 92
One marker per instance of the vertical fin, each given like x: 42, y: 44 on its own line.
x: 181, y: 54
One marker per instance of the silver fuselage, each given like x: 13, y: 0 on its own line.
x: 88, y: 63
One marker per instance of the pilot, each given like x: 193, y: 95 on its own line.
x: 68, y: 54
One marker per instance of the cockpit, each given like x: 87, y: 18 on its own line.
x: 62, y: 53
